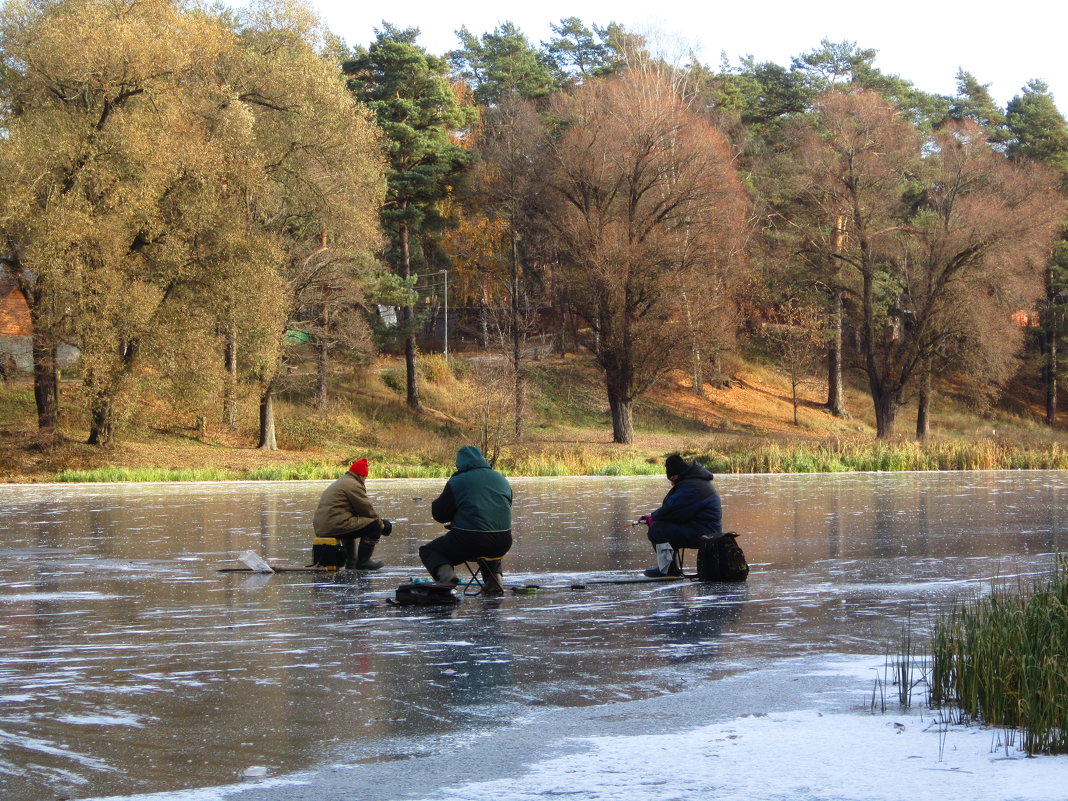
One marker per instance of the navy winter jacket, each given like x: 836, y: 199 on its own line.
x: 693, y: 503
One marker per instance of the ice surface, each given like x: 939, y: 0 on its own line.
x: 130, y: 665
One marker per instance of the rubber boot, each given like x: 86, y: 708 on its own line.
x: 349, y: 544
x: 666, y: 564
x: 492, y: 577
x: 363, y: 556
x: 445, y: 574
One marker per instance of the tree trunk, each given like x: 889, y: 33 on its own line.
x: 230, y: 390
x: 886, y: 408
x: 622, y: 417
x: 1048, y: 347
x: 322, y: 361
x: 46, y: 385
x: 923, y: 404
x: 1051, y: 379
x: 835, y: 400
x: 796, y: 401
x: 102, y: 423
x: 561, y: 319
x: 102, y: 427
x: 483, y: 325
x: 517, y: 341
x: 411, y: 349
x: 697, y: 364
x: 268, y: 441
x: 45, y: 360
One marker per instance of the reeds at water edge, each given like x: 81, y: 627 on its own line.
x: 1002, y: 659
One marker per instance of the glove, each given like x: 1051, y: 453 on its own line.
x: 647, y: 519
x: 387, y: 528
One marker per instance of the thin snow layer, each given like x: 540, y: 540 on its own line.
x: 801, y: 755
x: 792, y: 756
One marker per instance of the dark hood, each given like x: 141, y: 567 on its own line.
x: 696, y: 470
x: 468, y: 458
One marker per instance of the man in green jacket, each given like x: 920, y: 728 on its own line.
x: 476, y: 508
x: 345, y: 512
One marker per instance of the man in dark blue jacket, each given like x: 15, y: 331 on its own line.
x: 476, y: 506
x: 690, y: 511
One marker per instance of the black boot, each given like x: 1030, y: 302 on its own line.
x: 363, y: 556
x: 492, y: 579
x: 349, y: 544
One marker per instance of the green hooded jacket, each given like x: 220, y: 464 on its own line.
x: 476, y: 498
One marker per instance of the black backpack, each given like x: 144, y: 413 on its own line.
x: 721, y: 559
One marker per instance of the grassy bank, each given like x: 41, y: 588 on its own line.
x: 746, y: 427
x: 850, y: 456
x: 797, y: 457
x: 1003, y: 660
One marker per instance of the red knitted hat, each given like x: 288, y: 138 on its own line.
x: 359, y: 468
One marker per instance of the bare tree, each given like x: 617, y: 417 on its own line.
x: 508, y: 183
x: 972, y: 257
x: 798, y: 336
x: 932, y: 234
x: 640, y: 193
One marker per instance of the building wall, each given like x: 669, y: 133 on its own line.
x: 16, y: 329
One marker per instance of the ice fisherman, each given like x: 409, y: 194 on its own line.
x: 345, y: 512
x: 476, y: 508
x: 690, y: 510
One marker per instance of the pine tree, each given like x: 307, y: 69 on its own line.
x: 408, y: 91
x: 502, y: 63
x: 973, y: 102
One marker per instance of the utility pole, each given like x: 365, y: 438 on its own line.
x: 446, y: 274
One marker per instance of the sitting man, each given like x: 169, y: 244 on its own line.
x: 344, y: 512
x: 476, y: 507
x: 690, y: 511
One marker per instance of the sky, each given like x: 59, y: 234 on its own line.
x: 924, y: 42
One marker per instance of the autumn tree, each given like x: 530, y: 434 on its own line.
x: 148, y: 196
x: 324, y: 173
x: 928, y: 233
x: 639, y: 193
x: 104, y: 144
x: 1037, y: 131
x: 980, y: 239
x: 506, y: 184
x: 797, y: 336
x: 408, y: 91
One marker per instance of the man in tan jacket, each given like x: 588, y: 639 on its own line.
x: 345, y: 512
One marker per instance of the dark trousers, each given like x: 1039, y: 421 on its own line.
x: 678, y: 535
x: 456, y: 546
x: 371, y: 534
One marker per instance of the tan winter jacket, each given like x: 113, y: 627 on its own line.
x: 344, y: 508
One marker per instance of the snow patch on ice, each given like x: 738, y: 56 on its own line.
x: 796, y: 756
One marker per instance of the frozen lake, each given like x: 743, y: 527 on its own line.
x: 131, y: 665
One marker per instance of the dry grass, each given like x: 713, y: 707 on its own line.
x: 567, y: 425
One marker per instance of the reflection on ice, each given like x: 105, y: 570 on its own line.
x: 129, y: 664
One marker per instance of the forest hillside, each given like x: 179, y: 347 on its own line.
x: 744, y: 426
